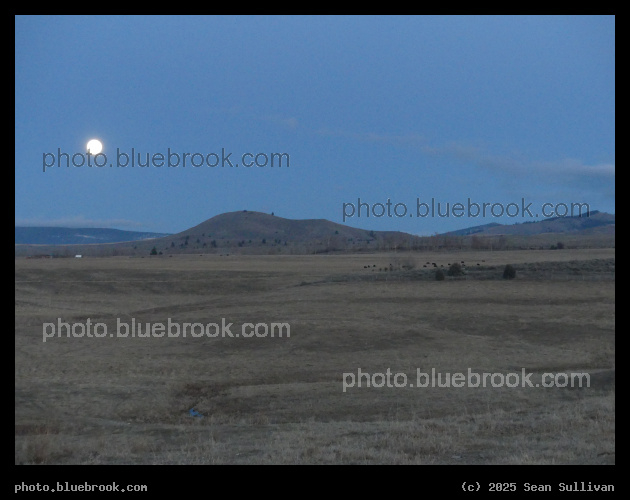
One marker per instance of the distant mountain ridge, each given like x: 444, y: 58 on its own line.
x: 595, y: 222
x: 256, y: 233
x: 27, y: 235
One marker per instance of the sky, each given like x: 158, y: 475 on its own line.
x: 366, y: 118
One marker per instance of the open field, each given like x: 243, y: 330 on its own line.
x: 115, y: 400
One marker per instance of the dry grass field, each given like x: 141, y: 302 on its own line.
x: 124, y: 400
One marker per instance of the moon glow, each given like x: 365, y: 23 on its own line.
x: 94, y: 146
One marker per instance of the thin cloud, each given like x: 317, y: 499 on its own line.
x: 465, y: 152
x: 567, y: 168
x: 571, y: 166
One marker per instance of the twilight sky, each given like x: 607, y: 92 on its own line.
x: 514, y: 111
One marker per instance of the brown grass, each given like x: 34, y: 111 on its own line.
x: 279, y: 400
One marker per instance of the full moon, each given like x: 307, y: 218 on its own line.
x: 94, y: 146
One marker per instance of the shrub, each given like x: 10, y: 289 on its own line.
x: 509, y: 273
x: 455, y: 269
x: 154, y: 251
x: 560, y: 245
x: 439, y: 275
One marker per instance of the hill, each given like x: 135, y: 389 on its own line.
x: 596, y: 222
x: 257, y: 232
